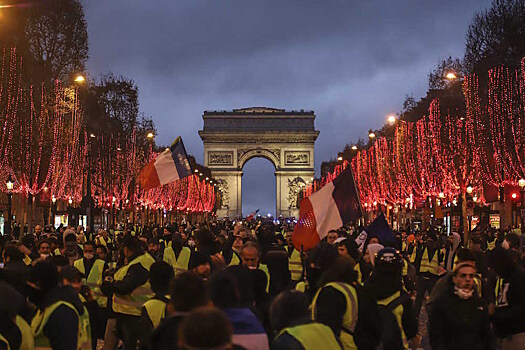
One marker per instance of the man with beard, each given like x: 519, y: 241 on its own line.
x: 200, y: 264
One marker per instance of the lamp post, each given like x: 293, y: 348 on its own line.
x: 53, y: 209
x: 9, y: 184
x: 521, y: 183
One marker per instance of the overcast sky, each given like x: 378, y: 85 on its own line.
x: 350, y: 61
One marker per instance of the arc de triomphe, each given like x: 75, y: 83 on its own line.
x: 285, y: 138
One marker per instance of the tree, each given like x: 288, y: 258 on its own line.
x: 496, y: 36
x: 57, y: 40
x: 119, y: 97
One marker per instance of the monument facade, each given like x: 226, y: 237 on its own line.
x: 285, y: 138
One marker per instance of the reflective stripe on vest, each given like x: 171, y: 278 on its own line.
x: 179, y: 264
x: 295, y: 265
x: 398, y: 313
x: 131, y: 304
x: 94, y: 280
x: 27, y: 260
x: 350, y: 315
x: 357, y: 268
x: 3, y: 340
x: 28, y: 337
x: 429, y: 266
x: 156, y: 310
x: 264, y: 269
x: 313, y: 336
x: 40, y: 320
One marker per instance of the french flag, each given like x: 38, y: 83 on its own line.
x: 172, y: 164
x: 330, y: 208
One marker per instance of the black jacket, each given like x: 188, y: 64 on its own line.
x: 510, y: 319
x: 62, y: 326
x: 459, y: 324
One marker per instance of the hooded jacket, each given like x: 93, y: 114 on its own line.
x: 62, y: 326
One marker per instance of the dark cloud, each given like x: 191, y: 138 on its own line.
x: 351, y: 62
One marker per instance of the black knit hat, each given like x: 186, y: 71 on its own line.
x: 197, y: 259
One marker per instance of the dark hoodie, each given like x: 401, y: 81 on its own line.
x: 62, y: 326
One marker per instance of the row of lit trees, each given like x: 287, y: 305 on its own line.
x: 446, y: 157
x: 49, y: 150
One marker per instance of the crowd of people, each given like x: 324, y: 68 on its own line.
x: 243, y: 285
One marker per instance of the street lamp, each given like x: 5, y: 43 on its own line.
x: 441, y: 195
x: 80, y: 79
x: 9, y: 184
x: 371, y: 135
x: 150, y: 135
x: 451, y: 76
x: 469, y: 189
x: 391, y: 119
x: 354, y: 148
x: 53, y: 209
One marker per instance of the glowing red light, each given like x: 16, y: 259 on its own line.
x: 514, y: 196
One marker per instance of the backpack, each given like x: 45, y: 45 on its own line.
x: 367, y: 332
x: 390, y: 332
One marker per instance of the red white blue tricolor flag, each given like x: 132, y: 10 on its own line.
x: 330, y: 208
x: 172, y: 164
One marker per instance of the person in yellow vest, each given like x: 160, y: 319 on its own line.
x: 289, y: 317
x: 154, y: 310
x: 385, y: 286
x: 90, y: 320
x: 92, y: 269
x: 176, y: 255
x: 336, y: 304
x: 428, y: 269
x: 57, y: 323
x: 295, y: 261
x: 130, y: 289
x: 250, y: 255
x: 15, y: 331
x: 104, y: 239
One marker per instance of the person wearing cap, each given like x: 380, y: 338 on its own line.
x: 130, y: 289
x: 386, y: 287
x: 200, y: 265
x: 459, y: 319
x: 57, y: 322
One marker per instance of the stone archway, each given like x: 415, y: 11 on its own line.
x: 285, y: 138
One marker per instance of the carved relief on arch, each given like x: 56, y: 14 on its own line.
x: 272, y: 154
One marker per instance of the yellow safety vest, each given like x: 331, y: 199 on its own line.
x: 313, y: 336
x: 103, y: 241
x: 179, y: 264
x: 27, y: 260
x: 413, y: 255
x: 498, y: 292
x: 156, y: 310
x: 57, y: 252
x: 357, y: 268
x: 28, y: 337
x: 295, y: 265
x: 398, y: 313
x: 4, y: 341
x: 264, y: 269
x: 235, y: 260
x: 94, y: 280
x: 40, y: 320
x: 302, y: 286
x: 350, y: 316
x: 131, y: 304
x: 429, y: 266
x: 491, y: 245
